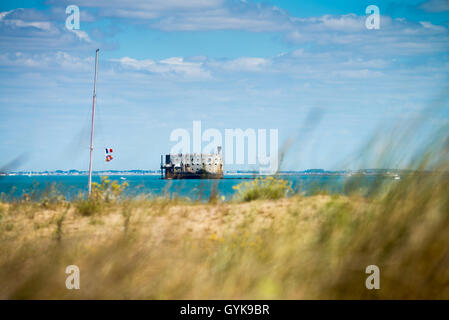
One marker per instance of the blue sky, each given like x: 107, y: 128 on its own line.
x: 230, y: 64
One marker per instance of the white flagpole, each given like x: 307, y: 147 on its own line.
x: 92, y: 127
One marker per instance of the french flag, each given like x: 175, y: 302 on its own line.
x: 108, y: 150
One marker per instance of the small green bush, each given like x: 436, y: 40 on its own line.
x: 52, y: 197
x: 102, y: 193
x: 88, y: 207
x: 108, y: 190
x: 263, y: 188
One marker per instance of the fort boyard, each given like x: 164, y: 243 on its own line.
x: 193, y: 165
x: 207, y: 163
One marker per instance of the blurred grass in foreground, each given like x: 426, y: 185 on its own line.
x: 273, y: 247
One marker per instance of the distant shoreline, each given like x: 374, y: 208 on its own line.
x: 309, y: 172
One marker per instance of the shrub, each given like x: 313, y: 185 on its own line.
x: 52, y: 197
x: 263, y: 188
x: 102, y: 193
x: 88, y: 207
x: 107, y: 190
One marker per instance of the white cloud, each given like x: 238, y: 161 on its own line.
x: 395, y: 36
x: 345, y: 23
x: 297, y: 64
x: 20, y: 23
x: 251, y: 64
x: 43, y: 25
x: 31, y: 30
x: 357, y: 74
x: 170, y: 66
x: 435, y: 6
x: 4, y: 14
x: 361, y: 63
x: 199, y: 68
x: 180, y: 15
x: 342, y: 46
x: 59, y: 60
x: 145, y: 9
x: 223, y: 19
x: 69, y: 61
x: 82, y: 35
x: 429, y: 25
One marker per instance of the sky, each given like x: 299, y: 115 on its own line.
x: 310, y: 69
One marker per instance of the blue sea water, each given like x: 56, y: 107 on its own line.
x: 13, y: 187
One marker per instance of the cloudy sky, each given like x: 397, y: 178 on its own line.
x: 310, y: 69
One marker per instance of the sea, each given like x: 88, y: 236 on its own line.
x: 71, y: 186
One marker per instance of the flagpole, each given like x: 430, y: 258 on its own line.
x: 92, y: 127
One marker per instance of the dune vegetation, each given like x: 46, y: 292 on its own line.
x: 267, y: 243
x: 255, y: 247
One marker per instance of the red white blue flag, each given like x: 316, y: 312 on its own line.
x: 108, y: 156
